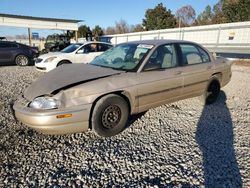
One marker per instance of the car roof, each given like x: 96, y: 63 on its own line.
x: 158, y: 42
x: 89, y: 42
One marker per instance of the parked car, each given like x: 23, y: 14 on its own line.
x: 3, y: 39
x: 127, y: 79
x: 16, y: 53
x: 56, y: 42
x: 74, y: 53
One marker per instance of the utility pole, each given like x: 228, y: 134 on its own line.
x: 179, y: 22
x: 29, y: 34
x: 76, y: 36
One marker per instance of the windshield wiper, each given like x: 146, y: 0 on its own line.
x: 114, y: 68
x: 121, y: 68
x: 100, y: 66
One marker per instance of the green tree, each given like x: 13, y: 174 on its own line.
x: 218, y: 15
x: 84, y: 31
x: 236, y: 10
x: 97, y: 32
x: 159, y: 18
x: 206, y: 16
x: 137, y: 28
x: 71, y: 34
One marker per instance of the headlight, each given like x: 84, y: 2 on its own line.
x: 45, y: 103
x: 50, y: 59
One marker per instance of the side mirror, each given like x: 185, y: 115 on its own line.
x: 80, y: 51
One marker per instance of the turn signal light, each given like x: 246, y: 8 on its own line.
x: 64, y: 116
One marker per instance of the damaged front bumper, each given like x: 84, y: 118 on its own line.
x: 55, y: 121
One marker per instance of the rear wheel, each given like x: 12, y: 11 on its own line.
x: 22, y: 60
x: 110, y: 115
x: 212, y: 92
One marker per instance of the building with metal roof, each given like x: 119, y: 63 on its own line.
x: 31, y: 22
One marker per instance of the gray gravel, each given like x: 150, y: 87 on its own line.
x: 176, y: 145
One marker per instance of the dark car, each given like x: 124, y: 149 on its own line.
x: 55, y: 43
x: 16, y: 53
x: 3, y: 39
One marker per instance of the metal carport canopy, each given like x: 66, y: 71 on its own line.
x: 38, y: 22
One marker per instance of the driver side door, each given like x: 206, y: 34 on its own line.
x: 161, y: 80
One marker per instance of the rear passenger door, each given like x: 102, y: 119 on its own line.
x: 197, y: 69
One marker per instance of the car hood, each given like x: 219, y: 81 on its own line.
x: 50, y: 54
x: 66, y: 76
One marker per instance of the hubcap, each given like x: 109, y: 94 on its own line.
x: 111, y: 116
x: 22, y: 60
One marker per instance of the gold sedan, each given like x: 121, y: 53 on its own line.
x: 127, y: 79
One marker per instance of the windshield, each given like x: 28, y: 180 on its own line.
x: 123, y: 56
x: 50, y: 39
x: 71, y: 48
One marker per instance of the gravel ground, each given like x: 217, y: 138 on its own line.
x: 176, y: 145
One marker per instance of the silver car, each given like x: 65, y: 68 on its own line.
x: 127, y: 79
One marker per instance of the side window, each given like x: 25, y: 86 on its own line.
x: 90, y: 48
x: 193, y: 55
x: 204, y: 55
x: 140, y: 53
x: 8, y: 45
x: 163, y: 57
x: 103, y: 47
x: 169, y: 59
x: 93, y: 47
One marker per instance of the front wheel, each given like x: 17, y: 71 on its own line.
x: 63, y: 63
x: 22, y: 60
x: 110, y: 115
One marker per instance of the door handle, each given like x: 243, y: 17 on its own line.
x: 178, y: 72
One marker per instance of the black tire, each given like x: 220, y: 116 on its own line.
x: 63, y: 63
x: 110, y: 115
x: 212, y: 92
x: 22, y: 60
